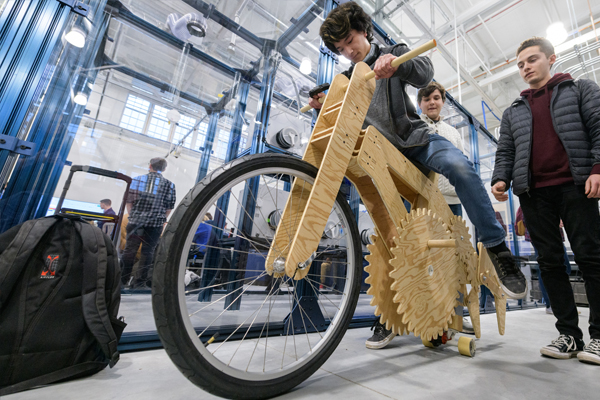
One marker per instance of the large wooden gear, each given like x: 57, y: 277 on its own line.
x: 380, y: 288
x: 427, y: 274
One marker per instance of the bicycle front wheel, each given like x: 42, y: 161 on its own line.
x: 229, y: 326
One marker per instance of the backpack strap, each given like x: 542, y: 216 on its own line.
x: 95, y: 310
x: 81, y: 370
x: 14, y: 258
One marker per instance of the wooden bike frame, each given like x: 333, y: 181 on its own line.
x: 383, y: 177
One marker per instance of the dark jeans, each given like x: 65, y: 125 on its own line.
x: 543, y: 209
x: 148, y: 237
x: 541, y: 282
x: 456, y: 209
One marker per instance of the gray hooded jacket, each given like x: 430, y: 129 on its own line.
x: 391, y: 110
x: 575, y: 111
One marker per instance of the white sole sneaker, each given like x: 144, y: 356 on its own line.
x: 515, y: 296
x: 588, y: 357
x: 381, y: 344
x: 554, y: 353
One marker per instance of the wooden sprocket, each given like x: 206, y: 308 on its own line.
x: 460, y: 232
x: 380, y: 288
x: 426, y: 279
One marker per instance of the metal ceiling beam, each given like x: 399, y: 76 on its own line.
x: 122, y: 14
x: 300, y: 24
x: 210, y: 12
x: 157, y: 84
x: 416, y: 19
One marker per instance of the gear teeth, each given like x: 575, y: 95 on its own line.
x: 412, y: 281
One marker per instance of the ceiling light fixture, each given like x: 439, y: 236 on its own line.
x: 556, y: 33
x: 80, y: 98
x: 76, y: 37
x: 306, y: 66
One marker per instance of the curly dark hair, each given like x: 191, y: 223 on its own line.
x: 341, y: 21
x: 429, y: 89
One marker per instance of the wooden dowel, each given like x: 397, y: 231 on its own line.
x: 396, y: 62
x: 407, y: 56
x: 441, y: 243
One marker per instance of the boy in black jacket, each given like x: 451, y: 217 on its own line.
x: 550, y: 149
x: 347, y: 30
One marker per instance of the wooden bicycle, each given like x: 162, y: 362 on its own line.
x: 294, y: 233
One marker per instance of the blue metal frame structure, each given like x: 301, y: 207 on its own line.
x: 40, y: 42
x: 29, y: 189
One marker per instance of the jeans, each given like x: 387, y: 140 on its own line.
x: 543, y: 209
x: 443, y: 157
x: 148, y: 237
x: 456, y: 209
x: 541, y: 282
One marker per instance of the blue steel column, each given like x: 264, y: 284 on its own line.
x: 213, y: 255
x: 32, y: 182
x: 239, y: 258
x: 208, y: 144
x: 28, y: 36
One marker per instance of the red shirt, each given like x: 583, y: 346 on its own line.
x: 549, y: 163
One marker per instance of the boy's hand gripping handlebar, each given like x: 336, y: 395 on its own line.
x: 370, y: 75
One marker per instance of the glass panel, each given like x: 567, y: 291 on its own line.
x: 184, y: 126
x: 159, y: 124
x: 135, y: 114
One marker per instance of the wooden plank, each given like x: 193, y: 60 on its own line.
x: 313, y: 155
x: 331, y: 172
x: 487, y: 275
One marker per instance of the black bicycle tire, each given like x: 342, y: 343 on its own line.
x: 169, y: 321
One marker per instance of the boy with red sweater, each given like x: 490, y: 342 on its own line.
x: 549, y: 148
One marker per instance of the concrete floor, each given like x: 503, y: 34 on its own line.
x: 505, y: 367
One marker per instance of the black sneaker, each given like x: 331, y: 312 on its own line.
x: 381, y: 336
x: 564, y: 347
x: 512, y: 280
x: 591, y: 352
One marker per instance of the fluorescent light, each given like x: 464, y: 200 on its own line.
x: 578, y: 40
x: 312, y: 46
x: 306, y: 66
x: 76, y: 37
x: 556, y: 33
x: 80, y: 98
x: 143, y: 90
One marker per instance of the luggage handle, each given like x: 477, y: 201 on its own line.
x: 102, y: 172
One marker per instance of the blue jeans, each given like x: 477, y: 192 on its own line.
x: 443, y: 157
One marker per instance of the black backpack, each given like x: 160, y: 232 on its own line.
x: 59, y: 298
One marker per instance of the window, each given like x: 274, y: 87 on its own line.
x: 135, y: 114
x: 183, y: 127
x: 220, y: 150
x: 202, y: 130
x: 159, y: 124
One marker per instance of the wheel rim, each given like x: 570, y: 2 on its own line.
x: 264, y: 357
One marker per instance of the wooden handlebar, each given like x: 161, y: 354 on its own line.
x: 395, y: 63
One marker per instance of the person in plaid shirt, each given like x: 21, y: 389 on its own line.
x: 150, y: 200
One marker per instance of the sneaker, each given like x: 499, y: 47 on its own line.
x: 564, y: 347
x: 381, y: 336
x: 590, y: 353
x: 467, y: 326
x: 549, y: 310
x: 512, y: 280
